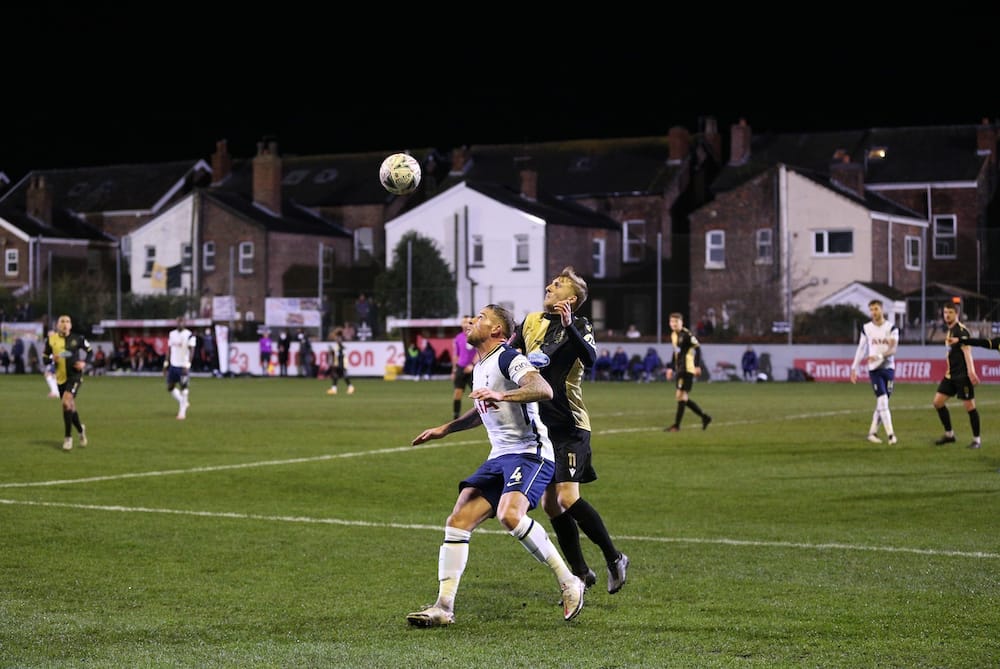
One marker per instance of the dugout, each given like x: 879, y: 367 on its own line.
x: 151, y: 331
x: 440, y: 332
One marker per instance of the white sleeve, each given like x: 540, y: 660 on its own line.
x: 862, y: 350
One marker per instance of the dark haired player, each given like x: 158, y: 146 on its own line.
x: 69, y: 354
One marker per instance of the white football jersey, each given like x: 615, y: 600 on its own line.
x: 513, y: 427
x: 876, y: 340
x: 180, y: 345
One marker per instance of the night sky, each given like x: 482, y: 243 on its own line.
x: 103, y: 87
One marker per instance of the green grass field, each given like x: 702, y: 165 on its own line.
x: 281, y: 527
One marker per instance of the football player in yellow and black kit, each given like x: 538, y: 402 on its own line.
x: 561, y: 346
x: 685, y: 365
x: 70, y: 354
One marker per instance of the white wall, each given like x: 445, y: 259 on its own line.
x: 165, y: 232
x: 454, y: 217
x: 810, y: 208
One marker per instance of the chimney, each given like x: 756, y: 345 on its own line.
x: 459, y: 161
x: 222, y: 163
x: 39, y: 199
x: 849, y: 176
x: 529, y: 183
x: 739, y: 150
x: 267, y: 177
x: 679, y: 140
x: 986, y: 140
x: 710, y: 130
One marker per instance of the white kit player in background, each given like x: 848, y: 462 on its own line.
x: 877, y: 344
x: 177, y: 366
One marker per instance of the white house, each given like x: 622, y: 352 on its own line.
x: 495, y: 249
x: 167, y: 241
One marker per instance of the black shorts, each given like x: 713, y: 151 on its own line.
x: 959, y: 387
x: 462, y: 379
x: 684, y: 381
x: 72, y: 386
x: 573, y: 455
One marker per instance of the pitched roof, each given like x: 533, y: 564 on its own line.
x: 64, y: 225
x: 580, y: 168
x: 140, y: 187
x: 294, y: 218
x: 553, y: 210
x: 913, y: 155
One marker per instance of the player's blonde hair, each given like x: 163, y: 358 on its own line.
x: 578, y: 283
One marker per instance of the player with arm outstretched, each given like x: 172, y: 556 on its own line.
x: 510, y: 483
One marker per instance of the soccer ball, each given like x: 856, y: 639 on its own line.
x: 400, y: 174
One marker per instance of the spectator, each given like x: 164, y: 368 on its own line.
x: 363, y: 309
x: 749, y: 363
x: 652, y: 365
x: 209, y: 353
x: 635, y: 367
x: 619, y: 364
x: 632, y: 332
x: 17, y: 353
x: 305, y: 354
x: 602, y: 367
x: 5, y: 360
x: 100, y: 363
x: 425, y: 364
x: 119, y: 357
x: 412, y: 363
x: 284, y: 346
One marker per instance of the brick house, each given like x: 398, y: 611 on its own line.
x: 796, y: 218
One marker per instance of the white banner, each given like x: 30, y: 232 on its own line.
x: 292, y: 312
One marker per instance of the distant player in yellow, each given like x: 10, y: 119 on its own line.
x: 69, y: 354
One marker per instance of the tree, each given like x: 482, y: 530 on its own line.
x: 430, y: 291
x: 835, y: 323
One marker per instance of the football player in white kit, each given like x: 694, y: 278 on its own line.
x: 877, y: 344
x: 506, y: 391
x: 177, y: 366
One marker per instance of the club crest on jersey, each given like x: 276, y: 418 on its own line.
x: 539, y: 359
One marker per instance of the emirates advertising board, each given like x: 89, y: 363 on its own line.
x: 907, y: 371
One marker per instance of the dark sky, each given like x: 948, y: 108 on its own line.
x: 105, y: 87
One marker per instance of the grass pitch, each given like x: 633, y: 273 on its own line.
x: 281, y: 527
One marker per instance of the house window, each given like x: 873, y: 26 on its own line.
x: 364, y: 244
x: 765, y: 246
x: 11, y: 266
x: 126, y: 243
x: 597, y: 247
x: 147, y: 270
x: 187, y: 254
x: 833, y: 242
x: 208, y: 256
x: 715, y: 249
x: 476, y: 250
x: 521, y: 251
x: 246, y: 257
x: 633, y: 240
x: 913, y: 254
x: 945, y: 236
